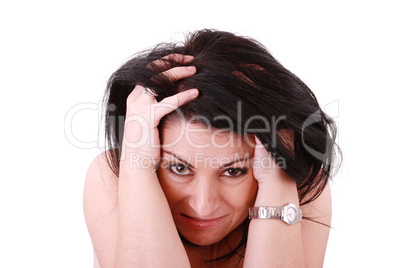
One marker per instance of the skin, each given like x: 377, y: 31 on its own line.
x: 113, y: 206
x: 215, y: 188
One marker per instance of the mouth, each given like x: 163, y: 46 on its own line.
x: 197, y: 223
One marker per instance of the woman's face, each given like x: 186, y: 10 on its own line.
x: 207, y: 178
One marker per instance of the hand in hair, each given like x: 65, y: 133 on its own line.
x: 141, y: 135
x: 275, y: 186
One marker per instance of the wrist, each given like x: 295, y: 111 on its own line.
x: 277, y: 194
x: 288, y: 213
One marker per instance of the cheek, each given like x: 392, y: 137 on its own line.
x: 242, y: 196
x: 172, y: 192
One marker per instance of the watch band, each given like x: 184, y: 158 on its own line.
x: 289, y: 213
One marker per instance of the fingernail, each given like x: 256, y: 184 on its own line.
x: 193, y: 92
x: 188, y: 57
x: 191, y: 68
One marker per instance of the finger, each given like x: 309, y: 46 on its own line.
x: 166, y: 62
x: 262, y: 159
x: 258, y: 143
x: 260, y: 151
x: 179, y: 58
x: 169, y: 104
x: 135, y: 93
x: 178, y: 73
x: 266, y: 169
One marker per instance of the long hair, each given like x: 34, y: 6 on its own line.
x: 239, y: 79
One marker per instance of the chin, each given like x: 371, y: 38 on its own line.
x: 200, y: 239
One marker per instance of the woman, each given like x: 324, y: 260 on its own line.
x: 209, y: 141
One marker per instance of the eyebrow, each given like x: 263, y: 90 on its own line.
x: 190, y: 165
x: 179, y: 158
x: 235, y: 161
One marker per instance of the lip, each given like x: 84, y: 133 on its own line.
x: 196, y: 223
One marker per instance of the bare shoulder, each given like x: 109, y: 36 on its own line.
x: 100, y: 209
x: 315, y: 232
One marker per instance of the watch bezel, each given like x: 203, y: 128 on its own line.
x: 298, y: 216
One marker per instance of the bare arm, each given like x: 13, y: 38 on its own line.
x: 121, y: 235
x: 101, y: 211
x: 273, y: 243
x: 147, y: 233
x: 128, y: 218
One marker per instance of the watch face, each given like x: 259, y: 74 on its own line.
x: 291, y: 214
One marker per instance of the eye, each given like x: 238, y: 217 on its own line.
x: 179, y: 169
x: 235, y: 172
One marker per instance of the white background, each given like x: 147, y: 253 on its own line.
x: 55, y: 55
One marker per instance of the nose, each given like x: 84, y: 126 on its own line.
x: 204, y: 197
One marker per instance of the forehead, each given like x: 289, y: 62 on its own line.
x: 191, y: 136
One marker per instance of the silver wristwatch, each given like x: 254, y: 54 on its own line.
x: 289, y: 213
